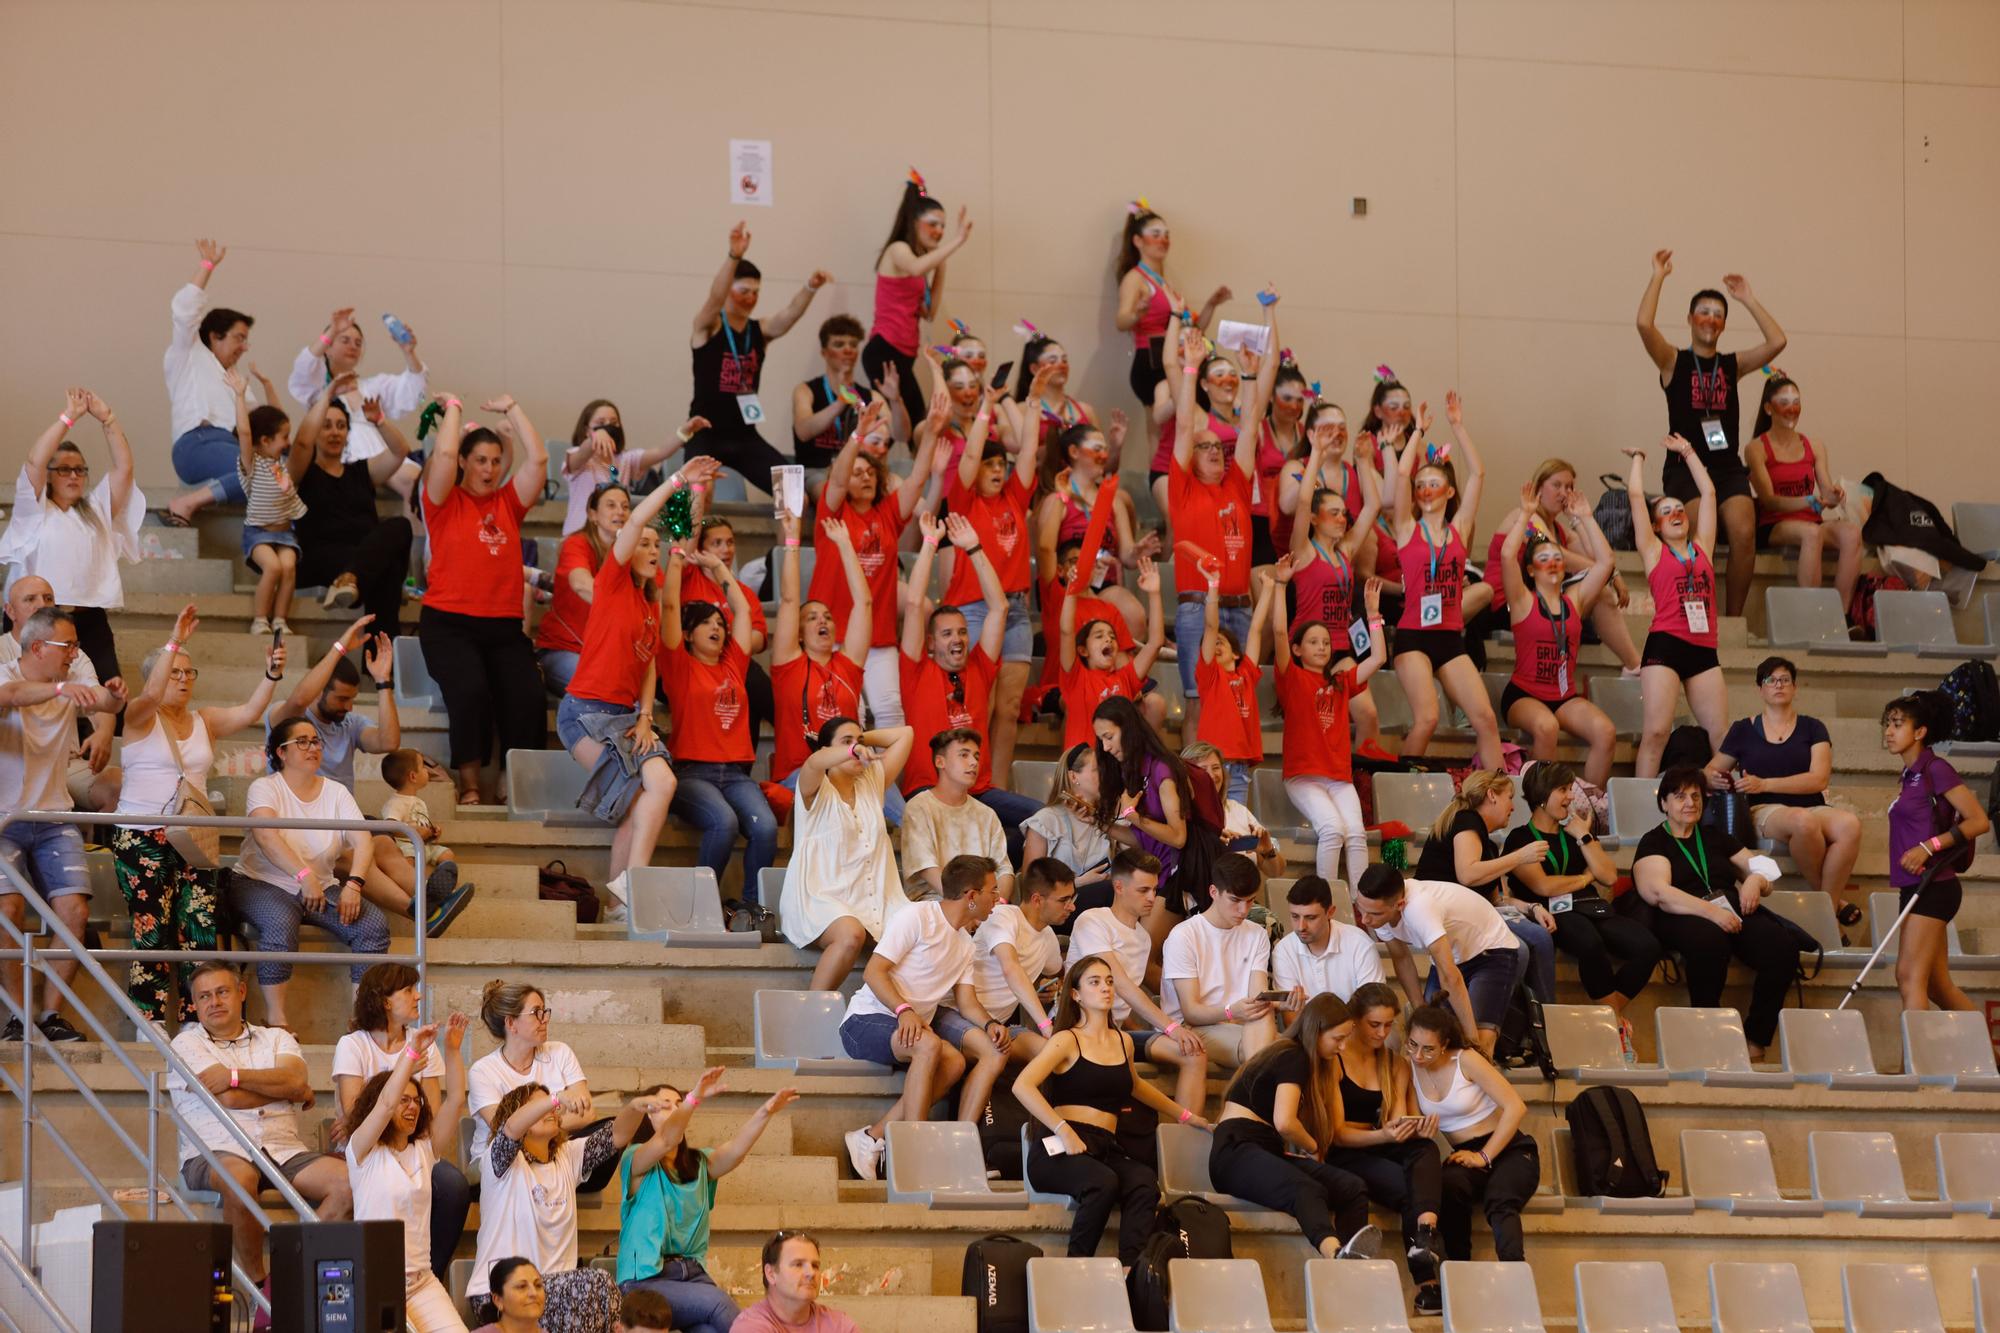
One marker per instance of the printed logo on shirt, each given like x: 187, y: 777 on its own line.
x: 739, y: 373
x: 868, y: 547
x: 1231, y: 522
x: 490, y: 534
x: 1326, y: 701
x: 1709, y: 392
x: 1006, y: 532
x: 728, y: 706
x: 1698, y: 584
x: 828, y: 706
x: 1239, y: 689
x: 1548, y: 662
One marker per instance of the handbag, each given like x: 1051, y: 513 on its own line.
x: 201, y: 848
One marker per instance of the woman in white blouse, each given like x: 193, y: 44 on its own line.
x: 336, y: 351
x: 391, y: 1152
x: 206, y: 343
x: 286, y: 876
x: 167, y: 740
x: 841, y: 886
x: 73, y: 534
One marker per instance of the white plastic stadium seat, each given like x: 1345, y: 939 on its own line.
x: 1731, y: 1169
x: 1859, y: 1171
x: 1756, y: 1298
x: 1077, y: 1296
x: 1707, y: 1046
x: 1624, y: 1298
x: 1488, y: 1296
x: 799, y: 1030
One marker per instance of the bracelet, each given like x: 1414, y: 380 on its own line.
x: 60, y: 686
x: 792, y: 543
x: 1188, y: 370
x: 691, y: 1101
x: 453, y: 402
x: 1226, y: 1014
x: 984, y: 416
x: 209, y: 265
x: 66, y: 419
x: 1484, y: 1158
x: 410, y: 1054
x: 1046, y: 1025
x: 268, y: 676
x: 1375, y: 620
x: 901, y: 1007
x: 971, y: 550
x: 1128, y: 812
x: 1215, y: 585
x: 325, y: 340
x: 1172, y: 1027
x: 1186, y: 1115
x: 930, y: 541
x: 353, y: 879
x: 697, y: 486
x: 172, y: 647
x: 235, y: 1078
x: 684, y: 435
x: 303, y: 872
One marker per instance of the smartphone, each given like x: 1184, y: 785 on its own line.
x: 277, y: 638
x: 1273, y: 996
x: 1054, y: 1146
x: 1000, y: 375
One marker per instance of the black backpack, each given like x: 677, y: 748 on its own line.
x: 1613, y: 513
x: 1523, y: 1039
x: 1183, y: 1228
x: 996, y: 1277
x: 1000, y: 1133
x: 1613, y: 1151
x: 1974, y: 691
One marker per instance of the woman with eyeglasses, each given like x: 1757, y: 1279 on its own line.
x: 1146, y: 304
x: 1783, y: 761
x: 1493, y: 1164
x: 1342, y: 509
x: 1680, y: 652
x: 72, y: 534
x: 517, y: 1015
x: 168, y: 741
x: 287, y: 876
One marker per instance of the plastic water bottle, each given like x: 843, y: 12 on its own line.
x: 397, y: 329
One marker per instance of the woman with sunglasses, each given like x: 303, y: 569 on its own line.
x: 72, y: 534
x: 909, y: 277
x: 1146, y: 304
x: 1073, y: 470
x: 1554, y: 519
x: 1041, y: 397
x: 1281, y: 436
x: 1680, y: 652
x: 287, y: 876
x: 1218, y: 406
x: 1326, y: 545
x: 1792, y: 479
x: 1544, y: 697
x: 1387, y: 428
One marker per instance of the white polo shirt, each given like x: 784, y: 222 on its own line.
x: 1348, y: 963
x: 274, y: 1126
x: 1435, y: 908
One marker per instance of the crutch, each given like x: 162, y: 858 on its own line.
x: 1937, y: 863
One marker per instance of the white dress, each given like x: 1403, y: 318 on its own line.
x: 842, y: 863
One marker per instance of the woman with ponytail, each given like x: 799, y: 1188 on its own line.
x: 1146, y: 304
x: 909, y: 275
x: 1935, y: 815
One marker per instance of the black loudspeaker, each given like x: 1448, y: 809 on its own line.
x: 160, y: 1275
x: 337, y: 1277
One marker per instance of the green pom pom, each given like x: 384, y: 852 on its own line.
x: 427, y: 422
x: 677, y: 515
x: 1396, y: 853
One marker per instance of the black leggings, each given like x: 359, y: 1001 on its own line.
x: 485, y: 668
x: 1148, y: 369
x: 1109, y: 1177
x: 1403, y: 1176
x: 1248, y: 1159
x: 877, y: 354
x: 94, y: 636
x: 1504, y: 1189
x: 1612, y: 953
x: 380, y: 563
x: 1764, y: 945
x: 740, y: 449
x: 757, y: 690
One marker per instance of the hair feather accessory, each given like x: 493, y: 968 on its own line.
x: 944, y: 349
x: 959, y: 330
x: 1285, y: 357
x: 1312, y: 391
x: 1138, y: 206
x: 1026, y: 330
x: 1775, y: 373
x: 917, y: 179
x: 1383, y: 374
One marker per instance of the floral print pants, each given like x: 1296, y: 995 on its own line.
x: 173, y: 907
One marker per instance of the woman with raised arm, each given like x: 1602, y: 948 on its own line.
x: 597, y: 457
x: 1680, y: 652
x: 167, y: 741
x: 346, y: 546
x: 1219, y: 395
x: 816, y: 666
x: 1545, y: 695
x: 1792, y: 479
x: 559, y: 636
x: 1556, y: 519
x: 841, y: 887
x: 205, y: 343
x: 397, y: 1139
x: 470, y: 627
x: 909, y: 276
x: 1074, y: 468
x: 1146, y: 305
x: 705, y: 675
x: 333, y: 359
x: 1041, y: 394
x: 1325, y: 548
x: 1433, y: 530
x: 74, y: 534
x: 1281, y: 436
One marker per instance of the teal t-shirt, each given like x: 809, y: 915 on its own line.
x: 662, y: 1217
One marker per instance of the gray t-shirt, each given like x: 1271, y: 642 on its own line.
x: 35, y: 741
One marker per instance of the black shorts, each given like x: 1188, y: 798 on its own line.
x: 1153, y: 475
x: 1940, y: 901
x: 1728, y: 483
x: 1687, y: 660
x: 1513, y: 694
x: 1439, y: 645
x: 1148, y: 369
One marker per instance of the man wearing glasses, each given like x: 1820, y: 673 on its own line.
x: 38, y: 712
x: 93, y: 782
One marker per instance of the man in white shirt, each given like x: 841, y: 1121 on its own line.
x: 1018, y: 952
x: 205, y: 343
x: 93, y: 782
x: 945, y: 820
x: 1215, y: 967
x: 1118, y: 935
x: 899, y: 1016
x: 1323, y: 955
x: 259, y: 1077
x: 38, y: 711
x: 1475, y: 960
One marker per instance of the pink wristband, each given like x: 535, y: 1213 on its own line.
x: 1186, y: 1116
x: 1226, y: 1014
x: 340, y: 645
x: 66, y: 419
x: 60, y: 686
x: 325, y: 340
x: 1189, y: 370
x: 208, y: 264
x: 1172, y: 1027
x: 792, y: 543
x: 691, y: 1101
x: 453, y: 402
x: 901, y: 1007
x: 410, y: 1054
x: 303, y: 872
x: 1046, y: 1025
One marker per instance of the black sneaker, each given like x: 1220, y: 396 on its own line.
x: 12, y: 1032
x: 1429, y: 1299
x: 446, y: 911
x: 56, y: 1028
x: 1422, y: 1255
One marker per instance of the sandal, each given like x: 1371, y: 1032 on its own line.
x: 169, y: 519
x: 1848, y: 914
x: 469, y: 798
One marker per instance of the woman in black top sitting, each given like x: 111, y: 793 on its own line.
x: 1379, y: 1135
x: 1705, y: 888
x: 1283, y: 1104
x: 358, y: 555
x: 1782, y: 762
x: 1615, y: 955
x: 1460, y: 850
x: 1076, y: 1087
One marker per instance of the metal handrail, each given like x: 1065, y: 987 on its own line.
x: 32, y: 961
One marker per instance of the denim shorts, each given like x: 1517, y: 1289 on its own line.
x: 256, y: 537
x: 872, y: 1036
x: 49, y: 856
x: 1019, y: 643
x: 572, y: 712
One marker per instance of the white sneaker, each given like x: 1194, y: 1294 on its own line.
x: 614, y: 915
x: 279, y: 626
x: 865, y: 1151
x: 260, y: 626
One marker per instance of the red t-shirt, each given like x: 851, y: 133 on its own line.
x: 1085, y: 687
x: 475, y: 544
x: 928, y: 706
x: 622, y: 637
x: 710, y: 707
x: 1215, y: 518
x: 1315, y: 711
x: 561, y: 630
x: 697, y: 586
x: 1054, y: 592
x: 805, y: 696
x: 1002, y: 524
x: 875, y: 534
x: 1229, y: 719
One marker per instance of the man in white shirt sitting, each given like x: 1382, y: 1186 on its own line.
x: 1215, y: 968
x: 899, y: 1016
x: 946, y: 820
x: 93, y: 781
x: 1476, y: 961
x: 259, y: 1076
x: 1323, y: 955
x: 1018, y: 953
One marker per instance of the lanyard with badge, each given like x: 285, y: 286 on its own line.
x: 1561, y: 902
x: 1699, y: 867
x: 1343, y: 583
x: 1430, y: 606
x: 1693, y: 607
x: 1559, y: 631
x: 1714, y: 384
x: 746, y: 403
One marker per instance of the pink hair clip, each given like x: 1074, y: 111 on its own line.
x: 1285, y: 357
x: 1027, y: 330
x: 1383, y: 374
x: 917, y: 179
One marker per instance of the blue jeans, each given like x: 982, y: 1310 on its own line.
x: 557, y: 668
x: 1541, y: 956
x: 48, y: 856
x: 1238, y: 774
x: 1188, y: 620
x: 1014, y: 810
x: 1019, y: 643
x: 699, y: 1306
x: 1490, y: 979
x: 722, y: 800
x: 892, y: 799
x: 207, y: 455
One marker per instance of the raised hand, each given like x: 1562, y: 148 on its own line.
x: 960, y: 530
x: 76, y: 403
x: 820, y: 278
x: 371, y: 408
x: 504, y: 403
x: 877, y: 409
x: 357, y: 633
x: 964, y: 223
x: 788, y: 526
x: 343, y: 385
x: 1577, y: 507
x: 1221, y: 294
x: 1149, y: 575
x: 1282, y: 569
x: 709, y: 1083
x: 1663, y: 262
x: 380, y: 658
x: 892, y: 381
x: 701, y: 471
x: 420, y: 1039
x: 184, y: 625
x: 214, y: 252
x: 739, y: 239
x: 1639, y: 454
x: 454, y: 1032
x: 694, y: 426
x: 1114, y: 432
x: 1423, y: 421
x: 940, y: 412
x: 1194, y: 347
x: 1453, y: 409
x: 930, y: 529
x: 1736, y: 285
x: 237, y: 384
x: 834, y: 531
x: 1675, y: 444
x: 1371, y: 597
x: 1531, y: 504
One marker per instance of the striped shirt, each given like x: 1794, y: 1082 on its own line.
x: 273, y: 500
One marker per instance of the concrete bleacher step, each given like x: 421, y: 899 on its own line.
x: 183, y: 578
x: 500, y: 917
x: 574, y: 1001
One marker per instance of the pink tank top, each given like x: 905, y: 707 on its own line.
x: 1163, y: 453
x: 1431, y: 570
x: 1154, y: 313
x: 1075, y: 519
x: 898, y: 302
x: 1545, y: 652
x: 1676, y: 583
x: 1792, y: 480
x: 1324, y: 590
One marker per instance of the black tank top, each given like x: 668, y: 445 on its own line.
x: 820, y: 450
x: 728, y: 364
x: 1362, y: 1106
x: 1259, y: 1091
x: 1087, y: 1083
x: 1703, y: 390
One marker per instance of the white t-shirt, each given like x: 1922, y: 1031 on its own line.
x: 530, y: 1211
x: 77, y: 556
x: 358, y: 1054
x: 1238, y: 822
x: 1434, y: 908
x: 930, y: 956
x: 319, y: 847
x: 1348, y: 963
x: 35, y: 741
x: 554, y: 1067
x: 934, y: 832
x: 1099, y: 931
x: 1224, y: 964
x: 274, y: 1126
x: 396, y: 1186
x: 1039, y: 951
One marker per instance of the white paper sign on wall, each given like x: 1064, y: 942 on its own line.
x: 750, y: 172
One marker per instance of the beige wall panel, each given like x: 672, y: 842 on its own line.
x: 1846, y: 39
x: 1568, y: 180
x: 1355, y: 25
x: 1952, y: 41
x: 1952, y: 192
x: 1951, y: 437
